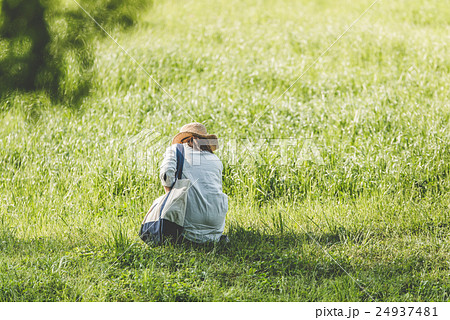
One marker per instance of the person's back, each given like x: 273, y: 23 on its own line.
x: 207, y: 205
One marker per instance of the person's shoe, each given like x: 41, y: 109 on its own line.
x: 224, y: 239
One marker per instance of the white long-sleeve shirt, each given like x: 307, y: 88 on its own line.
x: 207, y: 205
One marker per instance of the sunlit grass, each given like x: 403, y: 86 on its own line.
x: 376, y: 106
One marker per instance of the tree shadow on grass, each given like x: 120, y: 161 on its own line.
x: 258, y: 260
x: 253, y: 261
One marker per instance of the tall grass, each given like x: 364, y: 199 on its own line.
x: 376, y: 106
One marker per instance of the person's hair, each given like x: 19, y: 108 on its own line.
x: 194, y: 142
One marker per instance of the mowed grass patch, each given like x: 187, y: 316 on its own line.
x: 370, y: 222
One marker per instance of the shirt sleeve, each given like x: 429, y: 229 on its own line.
x: 168, y: 167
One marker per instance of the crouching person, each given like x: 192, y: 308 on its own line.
x: 206, y: 204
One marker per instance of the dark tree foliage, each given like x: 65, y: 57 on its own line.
x: 46, y: 45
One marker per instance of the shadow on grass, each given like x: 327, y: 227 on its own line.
x: 268, y: 254
x: 259, y: 260
x: 253, y: 261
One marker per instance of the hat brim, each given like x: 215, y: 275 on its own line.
x: 209, y: 139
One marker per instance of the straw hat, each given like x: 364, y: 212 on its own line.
x: 197, y: 130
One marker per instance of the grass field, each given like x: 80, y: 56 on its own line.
x: 370, y: 223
